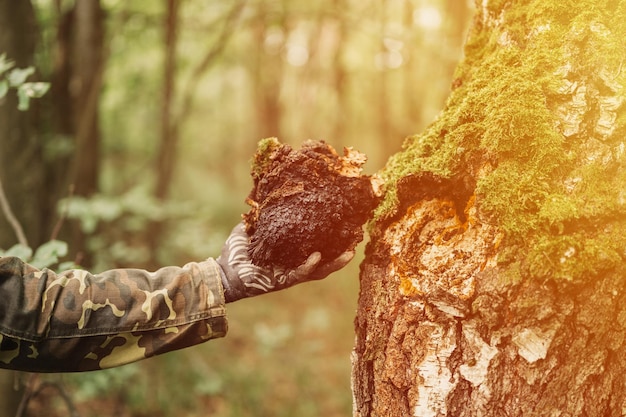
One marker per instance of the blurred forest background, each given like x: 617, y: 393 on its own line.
x: 138, y: 156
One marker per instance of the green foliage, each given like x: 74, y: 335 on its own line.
x: 551, y: 193
x: 11, y: 77
x: 18, y: 250
x: 125, y: 217
x: 49, y: 254
x: 45, y: 256
x: 94, y: 385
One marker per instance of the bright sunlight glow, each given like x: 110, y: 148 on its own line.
x: 427, y: 17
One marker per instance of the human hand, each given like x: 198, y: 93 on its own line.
x: 243, y: 279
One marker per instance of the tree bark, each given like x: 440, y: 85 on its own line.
x: 493, y: 283
x: 170, y: 132
x: 73, y: 109
x: 20, y: 151
x: 85, y: 87
x: 87, y: 84
x: 268, y: 71
x: 340, y: 72
x: 166, y: 156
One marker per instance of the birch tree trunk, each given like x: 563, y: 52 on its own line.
x: 494, y: 284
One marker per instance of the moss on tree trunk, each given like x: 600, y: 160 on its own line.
x: 493, y: 283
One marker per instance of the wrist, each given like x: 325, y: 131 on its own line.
x: 231, y: 283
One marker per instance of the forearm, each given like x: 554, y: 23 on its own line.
x: 79, y: 321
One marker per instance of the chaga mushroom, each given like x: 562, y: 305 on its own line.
x: 305, y: 201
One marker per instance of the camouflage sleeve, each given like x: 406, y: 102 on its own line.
x: 76, y: 321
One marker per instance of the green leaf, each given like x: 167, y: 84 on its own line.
x: 18, y: 76
x: 5, y: 64
x: 35, y: 90
x: 64, y: 266
x: 23, y: 100
x: 21, y: 251
x: 4, y: 88
x: 26, y: 91
x: 49, y: 253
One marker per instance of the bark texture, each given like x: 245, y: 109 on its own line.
x: 20, y: 152
x: 20, y: 147
x: 86, y: 83
x: 493, y: 283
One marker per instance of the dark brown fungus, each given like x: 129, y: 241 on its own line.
x: 305, y: 201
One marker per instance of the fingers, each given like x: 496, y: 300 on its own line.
x: 252, y: 280
x: 340, y: 261
x: 235, y: 249
x: 328, y: 268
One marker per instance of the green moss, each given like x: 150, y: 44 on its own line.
x: 262, y: 157
x: 576, y: 255
x: 502, y: 126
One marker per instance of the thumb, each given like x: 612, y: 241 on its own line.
x: 307, y: 268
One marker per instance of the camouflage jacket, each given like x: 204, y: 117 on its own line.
x: 76, y: 321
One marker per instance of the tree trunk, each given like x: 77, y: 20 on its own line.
x: 382, y: 102
x: 87, y: 79
x: 268, y: 71
x: 169, y: 135
x: 73, y: 107
x: 166, y: 156
x: 85, y: 87
x: 493, y: 283
x: 340, y: 72
x: 20, y: 151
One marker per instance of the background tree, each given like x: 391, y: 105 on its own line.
x: 494, y: 284
x: 73, y: 110
x: 19, y: 153
x: 18, y: 138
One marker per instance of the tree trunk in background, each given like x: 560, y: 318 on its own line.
x: 87, y: 81
x: 268, y: 71
x: 340, y: 73
x: 493, y: 284
x: 166, y: 156
x: 385, y: 127
x: 85, y: 87
x: 410, y: 73
x: 74, y: 108
x: 20, y: 169
x: 9, y: 396
x: 167, y: 147
x: 20, y: 147
x: 31, y: 182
